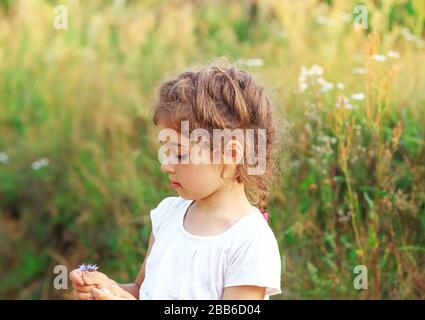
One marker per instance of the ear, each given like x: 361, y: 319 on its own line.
x: 233, y: 155
x: 233, y: 152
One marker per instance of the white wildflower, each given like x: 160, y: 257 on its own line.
x: 409, y: 36
x: 308, y: 129
x: 316, y: 70
x: 251, y: 62
x: 359, y: 71
x: 4, y: 157
x: 321, y: 81
x: 340, y: 86
x: 393, y: 54
x: 303, y: 87
x: 326, y: 86
x: 40, y: 163
x: 379, y: 57
x: 345, y: 103
x: 310, y: 77
x: 318, y: 149
x: 358, y: 96
x: 354, y: 159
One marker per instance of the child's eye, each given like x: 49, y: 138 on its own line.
x: 181, y: 156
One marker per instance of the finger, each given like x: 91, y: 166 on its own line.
x: 86, y: 279
x: 75, y: 277
x: 82, y: 295
x: 82, y: 289
x: 103, y: 294
x: 115, y: 290
x: 120, y: 292
x: 94, y: 278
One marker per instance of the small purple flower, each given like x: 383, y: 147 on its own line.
x: 88, y: 267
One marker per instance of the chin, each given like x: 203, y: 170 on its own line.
x: 184, y: 196
x: 187, y: 196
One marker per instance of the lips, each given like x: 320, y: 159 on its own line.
x: 174, y: 184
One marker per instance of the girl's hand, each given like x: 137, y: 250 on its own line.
x: 112, y: 292
x: 83, y: 281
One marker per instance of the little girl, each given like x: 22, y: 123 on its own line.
x: 212, y: 241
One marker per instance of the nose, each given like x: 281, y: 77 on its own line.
x: 168, y: 168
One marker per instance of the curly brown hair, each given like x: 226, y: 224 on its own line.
x: 223, y: 97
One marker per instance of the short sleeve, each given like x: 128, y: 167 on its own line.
x: 159, y: 214
x: 256, y: 262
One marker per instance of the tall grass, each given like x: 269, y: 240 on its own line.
x: 78, y: 162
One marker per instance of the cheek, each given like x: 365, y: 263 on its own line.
x: 199, y: 179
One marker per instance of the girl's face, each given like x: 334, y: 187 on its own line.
x: 191, y: 181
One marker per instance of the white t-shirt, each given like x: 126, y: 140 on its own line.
x: 185, y: 266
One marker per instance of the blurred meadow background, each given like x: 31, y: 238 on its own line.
x: 78, y: 152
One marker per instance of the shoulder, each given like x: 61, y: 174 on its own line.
x: 165, y: 210
x: 254, y: 258
x: 256, y: 227
x: 253, y: 237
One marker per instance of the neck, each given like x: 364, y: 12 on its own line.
x: 224, y: 200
